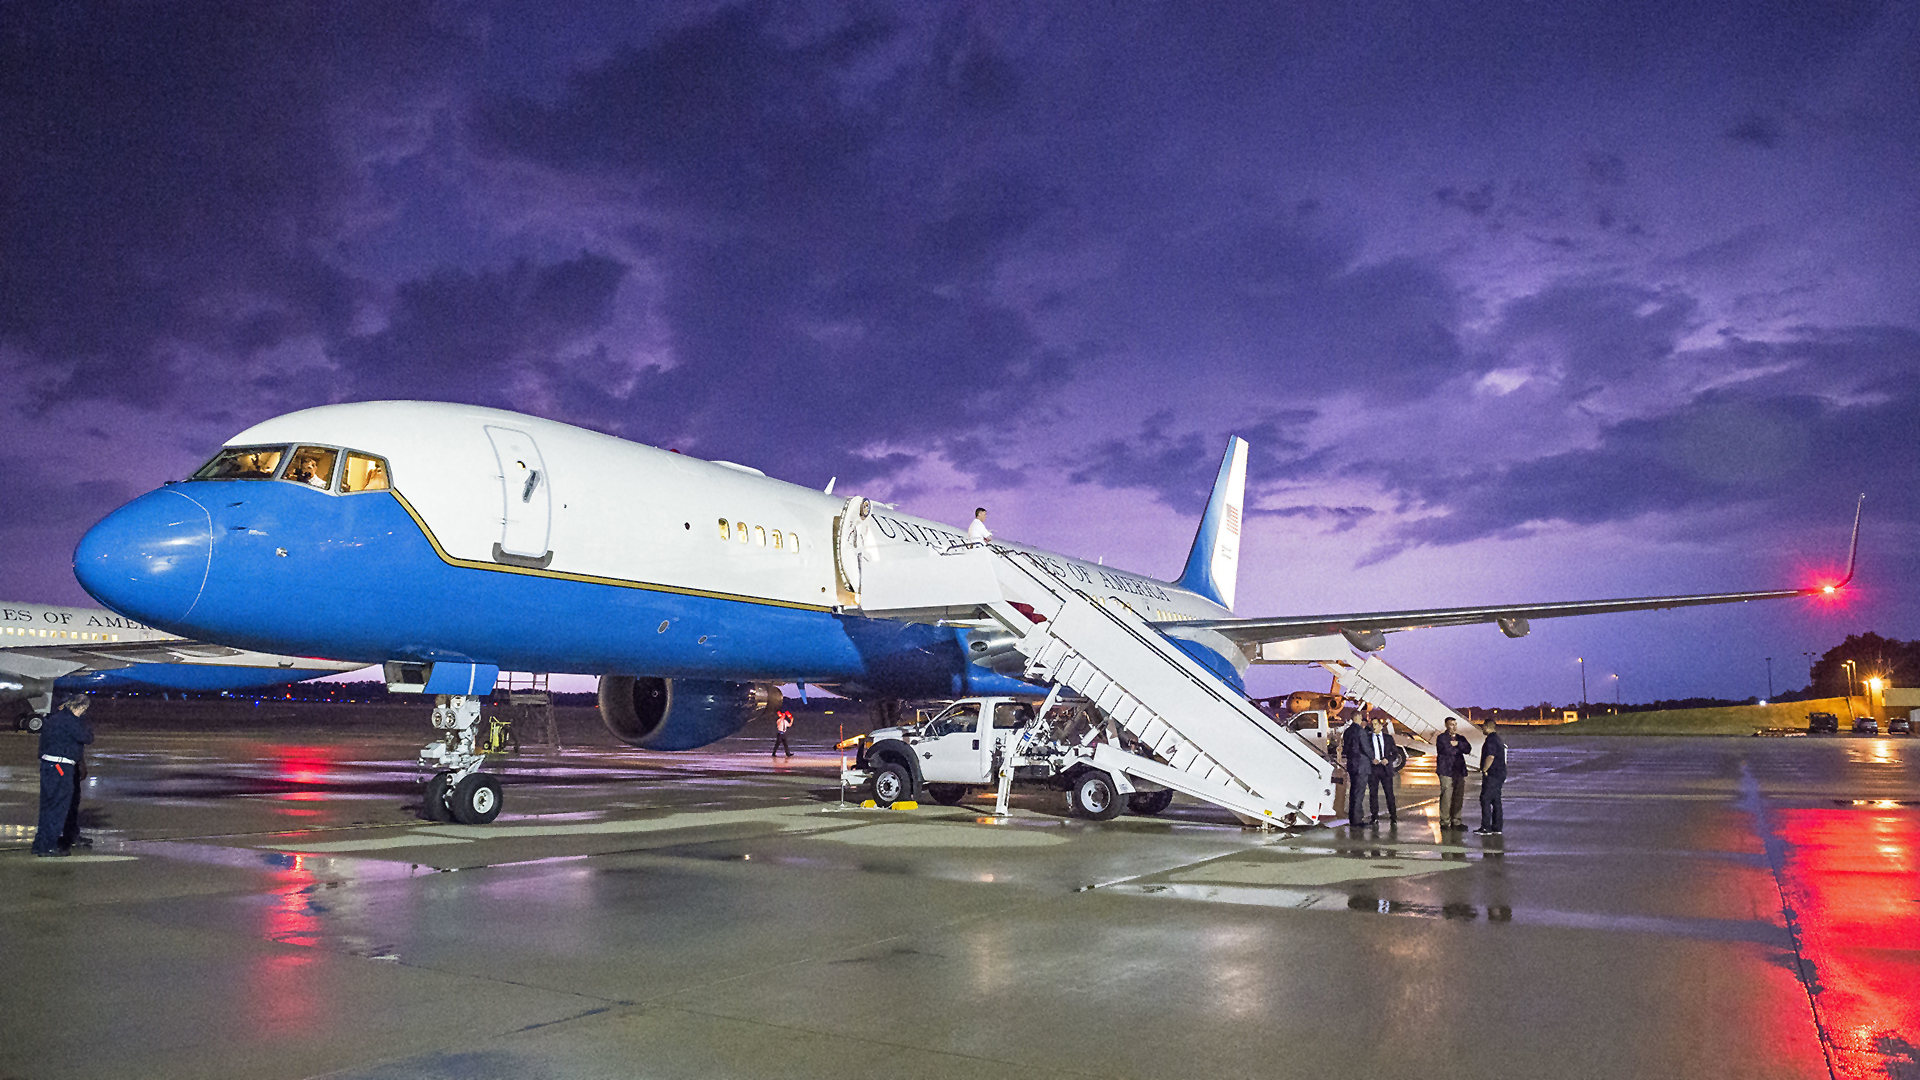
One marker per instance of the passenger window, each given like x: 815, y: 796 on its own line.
x: 726, y: 531
x: 760, y: 535
x: 741, y: 528
x: 313, y: 466
x: 243, y: 463
x: 1012, y: 714
x: 776, y: 539
x: 364, y: 472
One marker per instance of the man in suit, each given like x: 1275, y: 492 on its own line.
x: 1450, y: 763
x: 1493, y: 777
x: 1354, y: 748
x: 1387, y: 758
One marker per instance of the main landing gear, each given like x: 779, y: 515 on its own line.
x: 458, y: 790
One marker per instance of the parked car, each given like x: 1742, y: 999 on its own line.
x: 1866, y: 725
x: 1900, y: 725
x: 1822, y: 722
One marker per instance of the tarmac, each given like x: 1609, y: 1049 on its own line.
x: 262, y: 901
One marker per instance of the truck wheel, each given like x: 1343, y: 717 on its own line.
x: 891, y: 783
x: 947, y: 794
x: 1093, y: 796
x: 476, y: 800
x: 1150, y: 802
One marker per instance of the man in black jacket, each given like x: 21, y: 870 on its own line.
x: 1387, y: 758
x: 1493, y: 777
x: 1450, y: 764
x: 63, y: 739
x: 1354, y: 749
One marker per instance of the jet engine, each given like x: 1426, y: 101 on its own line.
x: 680, y: 714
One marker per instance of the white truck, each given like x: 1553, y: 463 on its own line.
x: 965, y: 745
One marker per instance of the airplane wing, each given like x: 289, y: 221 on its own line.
x: 1364, y: 628
x: 108, y: 655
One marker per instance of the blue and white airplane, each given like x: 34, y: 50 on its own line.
x: 47, y: 649
x: 451, y: 542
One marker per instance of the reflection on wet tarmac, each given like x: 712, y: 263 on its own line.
x: 1647, y: 890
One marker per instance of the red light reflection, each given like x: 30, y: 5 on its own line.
x: 278, y: 986
x: 1850, y: 879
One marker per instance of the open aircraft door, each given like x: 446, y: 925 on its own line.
x: 852, y: 539
x: 528, y: 496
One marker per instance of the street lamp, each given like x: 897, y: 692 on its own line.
x: 1583, y: 685
x: 1616, y: 693
x: 1847, y: 690
x: 1769, y: 678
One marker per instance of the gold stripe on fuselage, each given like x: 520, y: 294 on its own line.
x: 591, y: 579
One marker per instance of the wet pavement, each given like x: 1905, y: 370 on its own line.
x: 269, y: 905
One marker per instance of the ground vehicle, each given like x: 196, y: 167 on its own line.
x: 1900, y: 725
x: 963, y: 746
x: 1866, y: 725
x: 1819, y: 722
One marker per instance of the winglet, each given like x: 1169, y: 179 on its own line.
x: 1853, y: 548
x: 1213, y: 566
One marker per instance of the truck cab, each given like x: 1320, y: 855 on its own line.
x: 958, y: 747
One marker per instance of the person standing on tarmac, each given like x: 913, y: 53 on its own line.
x: 63, y: 742
x: 1355, y: 751
x: 1388, y: 759
x: 781, y: 724
x: 1450, y: 762
x: 1493, y: 777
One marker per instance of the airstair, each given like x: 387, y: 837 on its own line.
x: 1371, y: 681
x: 1190, y: 731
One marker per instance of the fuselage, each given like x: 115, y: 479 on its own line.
x: 435, y: 532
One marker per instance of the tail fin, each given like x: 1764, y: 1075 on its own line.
x: 1213, y: 567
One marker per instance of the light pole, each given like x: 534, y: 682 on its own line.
x: 1583, y: 685
x: 1616, y: 693
x: 1769, y: 678
x: 1848, y: 667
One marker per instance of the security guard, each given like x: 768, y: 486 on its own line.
x: 63, y: 740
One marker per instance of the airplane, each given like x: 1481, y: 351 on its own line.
x: 45, y: 649
x: 449, y: 542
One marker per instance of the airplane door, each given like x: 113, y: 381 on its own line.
x: 852, y: 535
x: 528, y: 514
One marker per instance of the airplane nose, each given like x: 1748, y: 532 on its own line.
x: 148, y: 559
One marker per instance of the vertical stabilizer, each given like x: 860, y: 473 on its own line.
x: 1214, y: 564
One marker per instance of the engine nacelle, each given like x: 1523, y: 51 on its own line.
x: 680, y: 714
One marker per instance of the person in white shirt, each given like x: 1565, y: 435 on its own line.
x: 977, y: 531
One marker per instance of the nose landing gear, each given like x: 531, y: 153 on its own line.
x: 458, y: 790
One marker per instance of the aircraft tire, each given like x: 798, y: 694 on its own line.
x: 433, y: 799
x: 1150, y: 803
x: 891, y: 783
x: 476, y: 800
x: 1093, y: 796
x: 947, y: 794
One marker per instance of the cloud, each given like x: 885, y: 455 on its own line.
x: 1767, y: 449
x: 174, y: 174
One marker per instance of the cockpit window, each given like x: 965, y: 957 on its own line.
x: 364, y: 472
x: 243, y: 463
x: 313, y: 466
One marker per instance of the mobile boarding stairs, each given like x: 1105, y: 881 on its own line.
x: 1195, y: 733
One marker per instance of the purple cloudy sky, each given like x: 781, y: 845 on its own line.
x: 1516, y: 301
